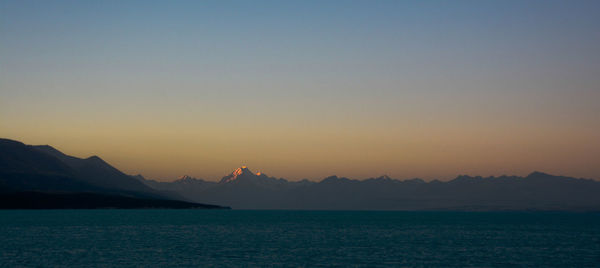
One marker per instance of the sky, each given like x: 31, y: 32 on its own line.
x: 307, y: 89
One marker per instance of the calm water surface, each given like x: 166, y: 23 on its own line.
x: 90, y: 238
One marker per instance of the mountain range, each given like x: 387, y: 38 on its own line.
x: 43, y: 177
x: 245, y: 190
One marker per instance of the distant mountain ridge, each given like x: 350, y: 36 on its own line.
x: 537, y: 191
x: 44, y: 174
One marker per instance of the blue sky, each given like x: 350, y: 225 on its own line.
x: 406, y: 88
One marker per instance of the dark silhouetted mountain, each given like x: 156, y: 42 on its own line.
x: 95, y: 171
x: 23, y: 167
x: 537, y: 191
x: 52, y: 174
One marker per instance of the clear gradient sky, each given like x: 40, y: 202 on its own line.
x: 307, y: 89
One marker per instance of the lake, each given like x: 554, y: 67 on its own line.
x: 115, y: 238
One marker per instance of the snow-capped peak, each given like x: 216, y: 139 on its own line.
x: 185, y: 177
x: 242, y: 171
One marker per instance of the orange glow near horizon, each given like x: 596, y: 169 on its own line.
x: 406, y: 89
x: 299, y: 153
